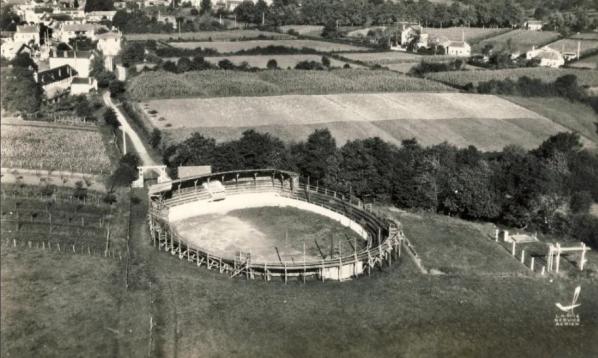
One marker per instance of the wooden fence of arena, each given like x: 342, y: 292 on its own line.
x: 384, y: 235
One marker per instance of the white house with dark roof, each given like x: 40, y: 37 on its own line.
x: 27, y: 34
x: 10, y: 48
x: 458, y: 48
x: 109, y: 44
x: 533, y: 25
x: 80, y: 61
x: 98, y: 16
x: 55, y: 82
x: 71, y: 31
x: 547, y: 56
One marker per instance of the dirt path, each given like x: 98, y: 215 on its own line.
x: 145, y: 157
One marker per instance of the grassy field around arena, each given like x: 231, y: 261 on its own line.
x: 230, y: 35
x: 58, y: 305
x: 393, y: 57
x: 308, y: 30
x: 271, y: 83
x: 41, y: 145
x: 235, y: 46
x: 486, y: 121
x: 475, y: 310
x: 270, y: 234
x: 461, y: 78
x: 520, y: 40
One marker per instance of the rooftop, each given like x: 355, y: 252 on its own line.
x: 55, y: 74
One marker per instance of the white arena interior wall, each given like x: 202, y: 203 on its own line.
x: 256, y: 200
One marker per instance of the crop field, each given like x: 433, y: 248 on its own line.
x: 590, y: 62
x: 51, y: 216
x: 486, y: 121
x: 393, y: 57
x: 270, y: 234
x: 521, y: 40
x: 570, y: 45
x: 461, y: 78
x: 229, y: 35
x: 260, y: 61
x: 235, y: 46
x: 308, y: 30
x: 269, y: 83
x: 75, y: 149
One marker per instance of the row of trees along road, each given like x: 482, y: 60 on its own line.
x: 549, y: 188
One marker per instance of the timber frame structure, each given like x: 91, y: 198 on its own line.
x: 384, y: 235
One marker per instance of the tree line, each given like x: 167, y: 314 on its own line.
x: 549, y: 188
x: 565, y: 15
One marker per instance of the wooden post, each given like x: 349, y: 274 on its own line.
x: 513, y: 248
x: 523, y: 257
x: 532, y: 264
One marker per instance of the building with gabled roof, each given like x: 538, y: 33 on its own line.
x: 78, y: 60
x: 547, y: 57
x: 458, y: 48
x: 28, y: 34
x: 55, y: 82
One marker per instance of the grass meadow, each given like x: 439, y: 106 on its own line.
x: 521, y: 40
x: 570, y: 45
x: 308, y: 30
x: 590, y: 62
x: 461, y: 78
x: 235, y: 46
x: 573, y: 116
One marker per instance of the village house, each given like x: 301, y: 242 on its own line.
x: 99, y: 16
x: 55, y: 82
x: 109, y: 44
x: 547, y: 56
x: 167, y: 19
x: 71, y: 31
x: 148, y: 3
x: 533, y: 25
x: 458, y: 48
x: 82, y: 85
x: 28, y: 34
x: 80, y: 61
x: 10, y: 48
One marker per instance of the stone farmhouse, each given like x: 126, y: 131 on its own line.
x: 547, y: 56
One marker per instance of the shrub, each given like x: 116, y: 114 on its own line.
x: 272, y: 64
x: 581, y: 202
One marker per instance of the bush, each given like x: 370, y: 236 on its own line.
x: 581, y: 202
x: 155, y: 138
x: 117, y: 88
x: 109, y: 198
x: 110, y: 118
x: 272, y: 64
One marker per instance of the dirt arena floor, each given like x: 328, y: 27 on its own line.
x: 270, y: 234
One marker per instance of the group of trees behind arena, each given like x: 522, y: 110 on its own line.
x: 550, y: 188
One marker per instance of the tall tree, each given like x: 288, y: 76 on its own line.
x: 205, y: 7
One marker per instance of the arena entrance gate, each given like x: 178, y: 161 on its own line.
x: 159, y: 169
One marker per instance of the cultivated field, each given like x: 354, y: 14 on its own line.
x: 269, y: 83
x: 585, y: 36
x: 590, y: 62
x: 570, y: 45
x: 270, y: 234
x: 235, y: 46
x: 309, y: 30
x: 485, y: 121
x: 229, y: 35
x: 521, y: 40
x: 260, y: 61
x: 461, y: 78
x: 393, y: 57
x: 74, y: 149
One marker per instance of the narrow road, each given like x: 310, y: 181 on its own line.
x: 146, y: 159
